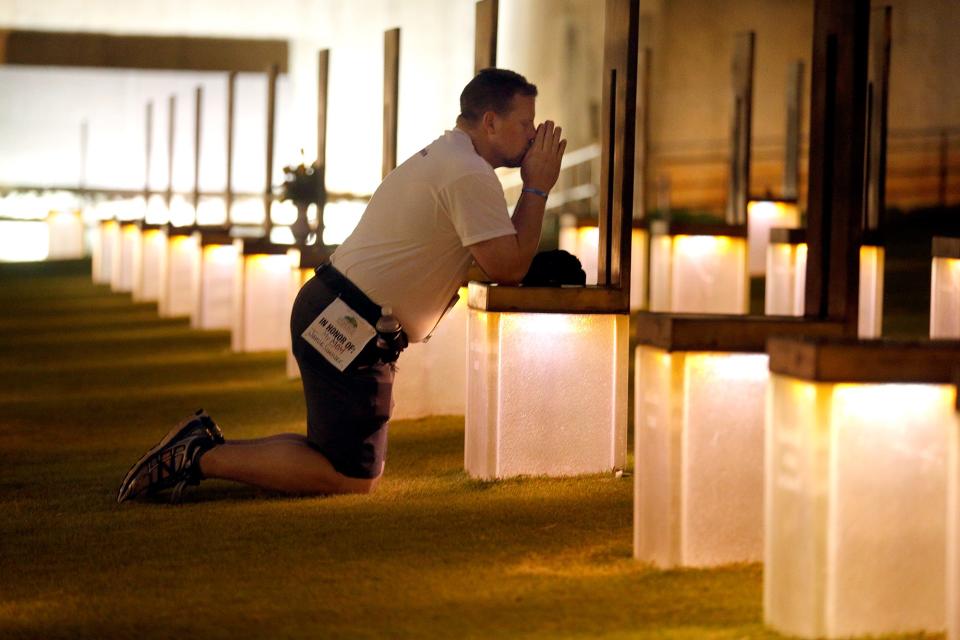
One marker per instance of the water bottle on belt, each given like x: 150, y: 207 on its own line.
x: 391, y: 339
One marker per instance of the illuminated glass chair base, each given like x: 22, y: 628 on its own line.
x: 856, y: 483
x: 581, y: 237
x: 546, y: 381
x: 786, y: 279
x: 762, y: 217
x: 953, y: 526
x: 178, y: 286
x: 303, y: 263
x: 945, y: 289
x: 213, y: 304
x: 431, y: 376
x: 261, y: 308
x: 150, y: 271
x: 870, y: 316
x: 786, y: 272
x: 127, y: 257
x: 700, y: 406
x: 698, y: 268
x: 104, y: 246
x: 65, y: 233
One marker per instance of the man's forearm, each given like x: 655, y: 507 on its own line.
x: 528, y: 221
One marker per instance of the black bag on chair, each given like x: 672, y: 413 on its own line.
x: 554, y: 268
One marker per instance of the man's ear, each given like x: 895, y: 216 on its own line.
x: 489, y: 122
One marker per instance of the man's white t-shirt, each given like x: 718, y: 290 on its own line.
x: 409, y: 250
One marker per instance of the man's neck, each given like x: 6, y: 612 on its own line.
x: 480, y: 144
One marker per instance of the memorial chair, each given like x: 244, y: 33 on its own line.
x: 786, y: 274
x: 945, y: 289
x: 953, y: 522
x: 856, y: 486
x: 547, y: 370
x: 65, y: 230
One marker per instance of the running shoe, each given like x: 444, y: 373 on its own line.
x: 174, y: 462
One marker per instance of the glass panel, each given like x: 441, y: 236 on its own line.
x: 870, y: 320
x: 699, y: 457
x: 856, y: 487
x: 153, y: 261
x: 709, y: 275
x: 551, y: 397
x: 214, y: 300
x: 183, y: 262
x: 945, y: 298
x: 783, y: 275
x: 763, y: 215
x: 65, y: 234
x: 262, y: 309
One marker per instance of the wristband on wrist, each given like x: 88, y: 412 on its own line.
x: 542, y: 194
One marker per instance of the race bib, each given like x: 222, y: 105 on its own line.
x: 339, y: 334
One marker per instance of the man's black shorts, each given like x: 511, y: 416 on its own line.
x: 347, y: 412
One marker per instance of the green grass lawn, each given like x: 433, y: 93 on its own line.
x: 89, y: 380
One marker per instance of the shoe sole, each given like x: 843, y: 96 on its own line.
x: 173, y: 434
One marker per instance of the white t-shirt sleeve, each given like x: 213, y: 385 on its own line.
x: 477, y: 208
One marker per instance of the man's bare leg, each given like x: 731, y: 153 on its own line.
x: 284, y: 463
x: 273, y: 438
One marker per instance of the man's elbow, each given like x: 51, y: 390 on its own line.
x: 511, y: 281
x: 508, y: 274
